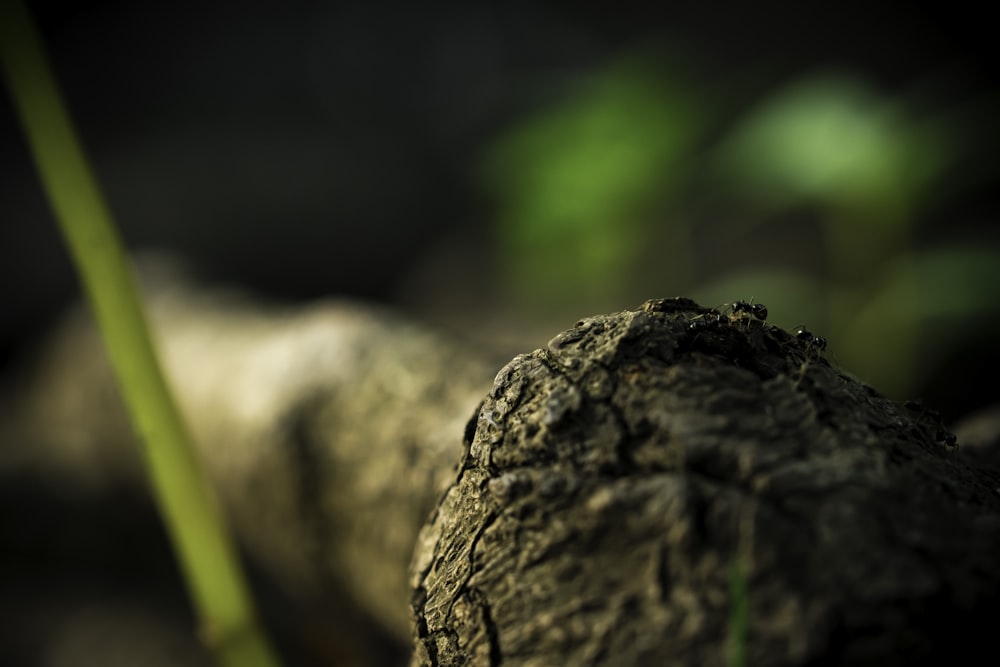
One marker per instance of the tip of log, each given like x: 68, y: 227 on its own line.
x: 612, y: 479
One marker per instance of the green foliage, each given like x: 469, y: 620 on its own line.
x: 624, y: 188
x: 576, y: 182
x: 945, y: 293
x: 865, y: 163
x: 835, y: 142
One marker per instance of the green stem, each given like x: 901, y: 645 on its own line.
x: 207, y: 555
x: 739, y: 613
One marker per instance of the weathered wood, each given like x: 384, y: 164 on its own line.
x: 606, y: 486
x: 613, y: 478
x: 329, y: 430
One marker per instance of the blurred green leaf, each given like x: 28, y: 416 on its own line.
x: 952, y: 283
x: 574, y: 183
x: 957, y: 282
x: 925, y: 300
x: 919, y: 303
x: 835, y: 141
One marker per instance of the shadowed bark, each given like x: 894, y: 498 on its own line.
x: 606, y: 485
x: 614, y: 477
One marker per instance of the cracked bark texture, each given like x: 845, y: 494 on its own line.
x: 611, y: 480
x: 608, y: 482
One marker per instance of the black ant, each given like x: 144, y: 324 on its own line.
x: 807, y: 337
x: 813, y: 346
x: 754, y: 310
x: 705, y: 319
x: 941, y: 434
x: 947, y: 437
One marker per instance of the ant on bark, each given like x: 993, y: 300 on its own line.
x: 812, y: 345
x: 738, y: 311
x: 705, y: 319
x: 811, y: 341
x: 752, y: 310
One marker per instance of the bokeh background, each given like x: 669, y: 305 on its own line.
x: 509, y: 167
x: 500, y: 169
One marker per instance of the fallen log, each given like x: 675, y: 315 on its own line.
x: 329, y: 431
x: 598, y: 505
x: 615, y: 479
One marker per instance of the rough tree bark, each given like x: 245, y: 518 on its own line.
x: 613, y: 477
x: 607, y: 483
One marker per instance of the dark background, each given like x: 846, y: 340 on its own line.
x: 313, y: 149
x: 305, y: 150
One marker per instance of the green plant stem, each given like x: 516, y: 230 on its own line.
x: 207, y: 555
x: 739, y: 613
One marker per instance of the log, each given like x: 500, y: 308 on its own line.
x: 329, y: 430
x: 615, y: 478
x: 590, y: 508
